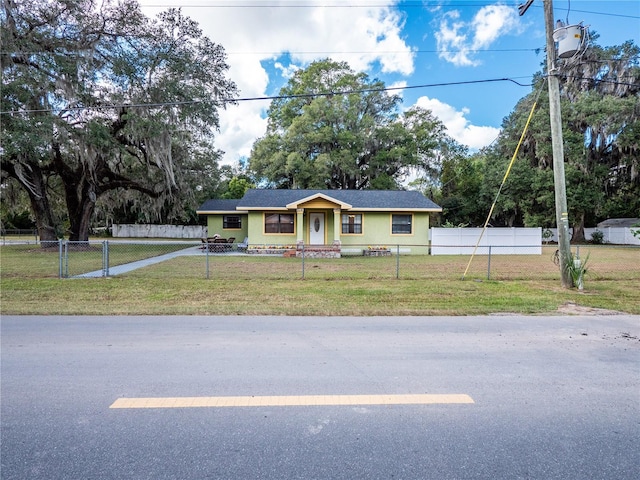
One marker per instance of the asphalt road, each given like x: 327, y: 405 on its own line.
x: 553, y: 397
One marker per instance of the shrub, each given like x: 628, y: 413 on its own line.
x: 597, y: 237
x: 577, y: 269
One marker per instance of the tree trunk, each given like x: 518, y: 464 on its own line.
x: 578, y: 230
x: 30, y: 177
x: 80, y: 198
x: 81, y: 220
x: 44, y: 218
x: 80, y: 194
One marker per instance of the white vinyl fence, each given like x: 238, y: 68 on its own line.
x: 158, y: 231
x: 614, y: 235
x: 495, y: 241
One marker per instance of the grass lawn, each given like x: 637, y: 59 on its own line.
x: 254, y: 285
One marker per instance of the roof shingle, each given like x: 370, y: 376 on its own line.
x: 358, y: 199
x: 218, y: 205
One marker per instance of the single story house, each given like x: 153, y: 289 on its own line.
x: 324, y: 220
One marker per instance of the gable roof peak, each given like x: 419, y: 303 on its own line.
x: 319, y: 195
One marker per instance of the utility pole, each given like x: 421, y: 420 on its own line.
x: 555, y: 117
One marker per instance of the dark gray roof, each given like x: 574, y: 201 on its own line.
x: 365, y: 199
x: 218, y: 205
x: 619, y: 222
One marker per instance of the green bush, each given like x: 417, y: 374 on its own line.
x: 597, y: 237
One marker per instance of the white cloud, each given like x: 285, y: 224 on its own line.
x: 492, y: 22
x: 458, y: 127
x: 362, y: 36
x: 452, y: 40
x: 240, y: 126
x: 395, y: 88
x: 287, y: 71
x: 365, y: 36
x: 457, y: 39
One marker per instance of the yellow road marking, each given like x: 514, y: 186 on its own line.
x: 290, y: 401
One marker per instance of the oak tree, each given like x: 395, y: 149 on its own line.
x: 98, y: 100
x: 334, y: 128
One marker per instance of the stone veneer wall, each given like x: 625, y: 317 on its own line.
x: 309, y: 251
x: 332, y: 251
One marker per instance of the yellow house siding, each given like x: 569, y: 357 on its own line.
x: 317, y: 203
x: 215, y: 225
x: 376, y: 230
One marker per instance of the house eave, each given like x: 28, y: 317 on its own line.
x: 397, y: 209
x: 342, y: 205
x: 265, y: 208
x: 221, y: 212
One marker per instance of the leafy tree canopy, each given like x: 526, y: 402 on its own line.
x: 238, y: 186
x: 600, y: 103
x: 334, y: 128
x: 101, y: 103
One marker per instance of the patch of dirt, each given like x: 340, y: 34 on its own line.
x: 571, y: 308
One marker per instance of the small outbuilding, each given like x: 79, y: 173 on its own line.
x: 619, y: 223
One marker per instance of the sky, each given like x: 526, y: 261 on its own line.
x: 452, y: 53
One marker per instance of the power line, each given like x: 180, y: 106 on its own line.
x: 606, y: 14
x: 390, y: 52
x: 327, y: 52
x: 420, y: 4
x: 597, y: 80
x: 386, y: 89
x: 304, y: 95
x: 298, y: 4
x: 263, y: 98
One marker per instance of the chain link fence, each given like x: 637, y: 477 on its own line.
x: 189, y: 259
x: 18, y: 235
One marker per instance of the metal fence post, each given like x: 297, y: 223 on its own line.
x: 303, y: 260
x: 66, y: 259
x: 489, y: 265
x: 60, y: 258
x: 105, y: 258
x: 397, y: 261
x: 206, y: 254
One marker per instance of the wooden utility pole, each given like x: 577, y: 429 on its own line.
x: 555, y: 116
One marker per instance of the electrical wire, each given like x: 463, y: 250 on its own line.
x: 419, y: 4
x: 284, y: 97
x: 275, y: 97
x: 318, y: 52
x: 506, y: 175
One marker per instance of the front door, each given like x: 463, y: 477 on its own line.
x: 316, y: 228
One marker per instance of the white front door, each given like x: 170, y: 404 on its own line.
x: 316, y: 228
